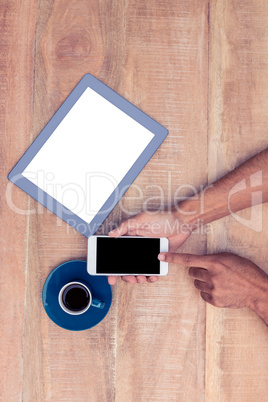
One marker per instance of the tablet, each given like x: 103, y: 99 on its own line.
x: 88, y: 154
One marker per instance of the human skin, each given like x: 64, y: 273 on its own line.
x: 226, y: 280
x: 213, y: 203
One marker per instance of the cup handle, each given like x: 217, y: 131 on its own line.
x: 97, y: 303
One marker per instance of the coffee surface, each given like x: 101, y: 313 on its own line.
x: 75, y: 297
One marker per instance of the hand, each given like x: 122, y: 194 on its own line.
x: 226, y: 280
x: 152, y: 224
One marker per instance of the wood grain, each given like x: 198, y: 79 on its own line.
x: 237, y: 347
x: 16, y: 73
x: 160, y: 349
x: 67, y: 365
x: 159, y: 341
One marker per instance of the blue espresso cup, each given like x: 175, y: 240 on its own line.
x: 76, y: 298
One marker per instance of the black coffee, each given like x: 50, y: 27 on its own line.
x: 75, y: 297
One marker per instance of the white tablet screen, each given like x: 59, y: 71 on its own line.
x: 88, y: 154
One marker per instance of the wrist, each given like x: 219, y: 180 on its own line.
x: 259, y: 301
x: 188, y: 213
x: 207, y: 206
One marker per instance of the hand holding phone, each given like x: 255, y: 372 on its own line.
x: 127, y: 255
x: 150, y: 223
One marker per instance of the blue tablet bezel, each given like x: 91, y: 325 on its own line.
x: 88, y: 229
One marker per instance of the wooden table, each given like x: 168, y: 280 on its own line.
x: 198, y: 67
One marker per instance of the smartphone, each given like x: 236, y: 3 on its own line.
x: 126, y: 255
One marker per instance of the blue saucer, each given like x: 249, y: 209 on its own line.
x: 67, y: 272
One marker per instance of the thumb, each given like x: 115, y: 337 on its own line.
x: 188, y: 260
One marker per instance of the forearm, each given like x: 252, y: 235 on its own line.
x: 245, y: 186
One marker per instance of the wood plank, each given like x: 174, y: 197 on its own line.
x: 16, y: 70
x: 160, y: 342
x: 237, y: 348
x: 65, y: 365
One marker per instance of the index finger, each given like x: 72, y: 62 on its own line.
x: 188, y: 260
